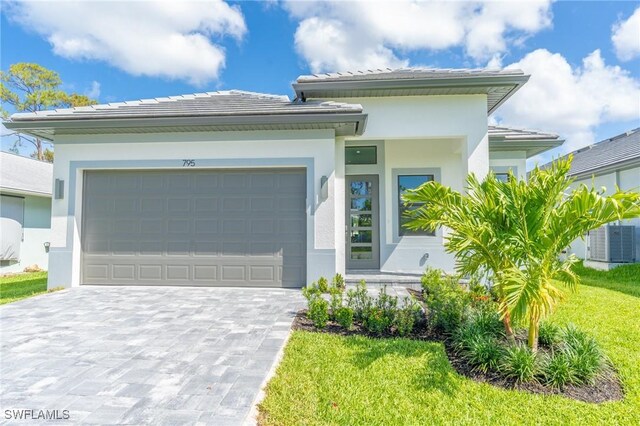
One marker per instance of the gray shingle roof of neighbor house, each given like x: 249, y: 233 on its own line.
x: 25, y: 176
x: 498, y: 85
x: 607, y: 155
x: 224, y: 110
x: 509, y: 139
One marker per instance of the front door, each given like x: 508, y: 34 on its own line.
x: 363, y: 238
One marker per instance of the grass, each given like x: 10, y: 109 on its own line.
x: 329, y: 379
x: 21, y: 286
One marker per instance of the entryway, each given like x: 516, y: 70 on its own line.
x: 362, y: 222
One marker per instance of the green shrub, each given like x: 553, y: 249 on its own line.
x: 548, y: 334
x: 335, y: 302
x: 323, y: 285
x: 405, y: 320
x: 344, y: 317
x: 310, y: 292
x: 446, y: 300
x: 318, y: 312
x: 375, y: 321
x: 359, y: 300
x: 478, y: 323
x: 585, y: 356
x: 557, y: 370
x: 483, y: 353
x: 519, y: 363
x: 387, y: 304
x: 486, y: 322
x: 338, y: 282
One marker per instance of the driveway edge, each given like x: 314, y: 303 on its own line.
x: 252, y: 417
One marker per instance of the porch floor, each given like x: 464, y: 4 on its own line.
x: 380, y: 278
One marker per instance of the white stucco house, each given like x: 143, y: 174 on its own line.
x: 610, y: 164
x: 246, y: 189
x: 25, y: 212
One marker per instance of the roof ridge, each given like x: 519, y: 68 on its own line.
x: 173, y: 98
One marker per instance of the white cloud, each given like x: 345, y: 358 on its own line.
x: 571, y: 101
x: 357, y: 34
x: 169, y: 39
x: 626, y: 37
x: 94, y: 91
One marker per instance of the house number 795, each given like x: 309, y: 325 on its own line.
x: 188, y: 163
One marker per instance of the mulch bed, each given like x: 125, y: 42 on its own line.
x: 606, y: 388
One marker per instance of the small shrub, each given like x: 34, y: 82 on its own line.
x: 478, y: 323
x: 323, y: 285
x: 344, y: 317
x: 387, y: 304
x: 484, y: 353
x: 318, y: 312
x: 519, y: 363
x: 338, y: 282
x: 548, y: 334
x: 310, y: 292
x: 405, y: 319
x: 446, y: 300
x: 557, y: 371
x: 486, y: 322
x: 375, y: 321
x: 335, y: 303
x: 585, y: 356
x: 359, y: 300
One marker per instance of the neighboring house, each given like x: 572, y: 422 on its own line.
x: 610, y: 164
x: 249, y: 189
x: 25, y: 212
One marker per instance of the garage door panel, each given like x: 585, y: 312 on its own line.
x: 202, y: 228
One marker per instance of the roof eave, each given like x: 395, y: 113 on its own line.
x: 530, y: 146
x: 416, y: 83
x: 45, y: 128
x: 23, y: 192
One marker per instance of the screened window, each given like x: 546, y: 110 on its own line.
x: 406, y: 182
x: 361, y: 155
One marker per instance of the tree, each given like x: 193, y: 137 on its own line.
x: 515, y: 232
x: 31, y: 87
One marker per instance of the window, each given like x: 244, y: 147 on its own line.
x: 361, y: 155
x: 502, y: 177
x: 406, y: 182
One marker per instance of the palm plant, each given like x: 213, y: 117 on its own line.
x: 514, y: 232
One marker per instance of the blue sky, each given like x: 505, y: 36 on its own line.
x: 265, y: 46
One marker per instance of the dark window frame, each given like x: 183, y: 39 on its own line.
x: 402, y: 231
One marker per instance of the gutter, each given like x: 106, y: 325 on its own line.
x: 409, y: 83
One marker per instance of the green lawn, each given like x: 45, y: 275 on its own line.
x: 328, y: 379
x: 21, y: 286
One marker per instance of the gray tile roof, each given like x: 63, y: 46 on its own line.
x: 406, y: 73
x: 510, y: 133
x: 498, y: 85
x: 215, y: 104
x: 533, y: 142
x: 606, y: 154
x: 24, y: 175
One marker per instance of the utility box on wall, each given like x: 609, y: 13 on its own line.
x: 613, y: 243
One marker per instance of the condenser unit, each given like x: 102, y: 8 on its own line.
x: 613, y: 243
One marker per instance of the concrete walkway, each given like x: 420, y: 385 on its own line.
x: 136, y: 355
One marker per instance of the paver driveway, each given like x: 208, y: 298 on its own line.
x: 136, y: 355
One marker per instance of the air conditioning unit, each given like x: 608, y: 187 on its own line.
x: 613, y: 243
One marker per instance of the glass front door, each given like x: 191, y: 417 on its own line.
x: 363, y: 240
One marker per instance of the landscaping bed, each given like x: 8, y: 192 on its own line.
x: 568, y: 362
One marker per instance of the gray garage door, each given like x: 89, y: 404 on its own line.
x: 198, y: 227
